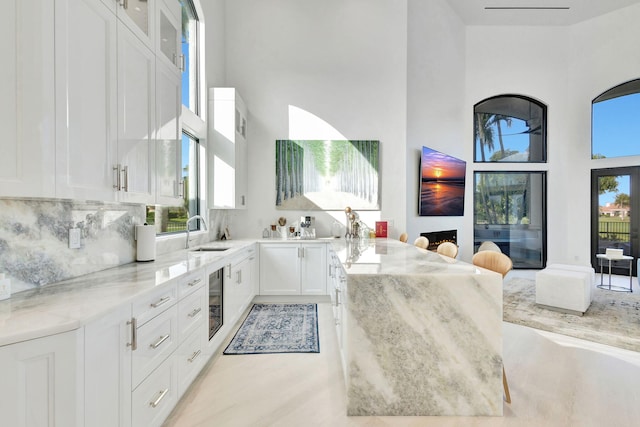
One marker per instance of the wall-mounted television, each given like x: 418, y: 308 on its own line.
x: 442, y: 181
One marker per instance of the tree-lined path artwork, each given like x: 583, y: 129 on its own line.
x: 327, y: 175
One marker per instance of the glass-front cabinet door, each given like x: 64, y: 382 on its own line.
x: 138, y: 16
x: 138, y: 12
x: 169, y: 37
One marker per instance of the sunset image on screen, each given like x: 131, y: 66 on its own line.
x: 442, y: 179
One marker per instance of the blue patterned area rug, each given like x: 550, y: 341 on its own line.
x: 277, y: 328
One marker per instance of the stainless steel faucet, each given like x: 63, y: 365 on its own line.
x: 204, y: 224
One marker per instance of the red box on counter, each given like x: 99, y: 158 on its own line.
x: 381, y: 228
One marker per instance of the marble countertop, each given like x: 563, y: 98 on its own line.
x: 388, y: 256
x: 70, y: 304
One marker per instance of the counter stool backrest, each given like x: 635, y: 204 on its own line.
x: 449, y: 249
x: 422, y: 242
x: 494, y: 261
x: 489, y: 246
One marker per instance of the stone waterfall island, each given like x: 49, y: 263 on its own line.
x: 422, y: 332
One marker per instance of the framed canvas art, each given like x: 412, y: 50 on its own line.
x: 327, y: 175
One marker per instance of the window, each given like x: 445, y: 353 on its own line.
x: 190, y: 39
x: 172, y: 219
x: 510, y: 211
x: 616, y: 122
x: 509, y: 204
x: 509, y: 128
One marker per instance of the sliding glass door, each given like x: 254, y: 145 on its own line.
x: 615, y: 196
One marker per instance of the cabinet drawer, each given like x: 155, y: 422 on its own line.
x: 155, y: 340
x: 155, y: 398
x: 191, y: 359
x: 191, y: 313
x: 191, y: 283
x: 154, y: 303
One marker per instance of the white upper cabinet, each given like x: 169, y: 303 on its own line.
x: 169, y: 185
x: 86, y: 100
x: 138, y: 16
x: 228, y: 149
x: 27, y: 102
x: 105, y: 106
x: 169, y: 31
x: 136, y: 118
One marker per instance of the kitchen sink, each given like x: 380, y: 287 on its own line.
x: 209, y: 249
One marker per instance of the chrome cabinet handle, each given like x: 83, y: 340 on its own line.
x: 180, y: 189
x: 195, y: 312
x: 134, y: 333
x: 194, y: 282
x: 160, y: 341
x: 160, y: 302
x: 229, y: 271
x: 125, y: 171
x: 161, y: 396
x: 337, y: 297
x: 117, y: 185
x: 193, y: 356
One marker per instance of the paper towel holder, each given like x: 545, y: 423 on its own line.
x: 145, y: 236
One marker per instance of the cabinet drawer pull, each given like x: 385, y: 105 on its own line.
x: 194, y: 312
x: 134, y: 334
x: 194, y: 282
x: 160, y: 341
x: 161, y: 396
x: 160, y: 302
x: 194, y: 356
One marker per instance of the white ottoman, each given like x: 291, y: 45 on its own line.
x: 565, y: 287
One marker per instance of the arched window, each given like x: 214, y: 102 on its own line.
x: 509, y: 203
x: 615, y: 128
x: 510, y: 128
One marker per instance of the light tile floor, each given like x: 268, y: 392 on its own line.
x: 554, y: 380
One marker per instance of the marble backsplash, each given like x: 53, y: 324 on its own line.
x: 34, y: 242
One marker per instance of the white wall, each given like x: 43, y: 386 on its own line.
x: 343, y: 62
x: 604, y: 53
x: 408, y: 72
x: 529, y: 61
x: 435, y: 107
x: 565, y: 68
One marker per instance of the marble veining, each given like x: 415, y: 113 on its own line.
x: 423, y: 333
x: 67, y: 305
x: 34, y: 239
x: 34, y: 248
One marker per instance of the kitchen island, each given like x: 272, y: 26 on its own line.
x: 422, y: 332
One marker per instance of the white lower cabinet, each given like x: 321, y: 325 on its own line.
x: 140, y: 358
x: 154, y: 399
x: 107, y: 374
x: 190, y: 359
x: 156, y: 340
x: 39, y: 384
x: 239, y: 289
x: 293, y: 269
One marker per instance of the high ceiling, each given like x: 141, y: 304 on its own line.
x: 533, y: 12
